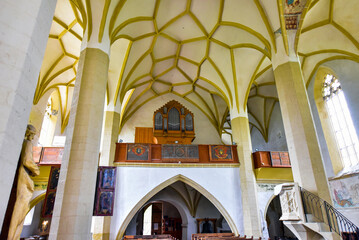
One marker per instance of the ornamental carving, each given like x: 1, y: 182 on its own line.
x: 173, y: 123
x: 290, y: 201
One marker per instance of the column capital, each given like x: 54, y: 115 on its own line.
x: 235, y: 114
x: 96, y: 34
x: 112, y: 108
x: 280, y: 57
x: 103, y: 46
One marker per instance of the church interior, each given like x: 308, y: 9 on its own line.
x: 179, y: 119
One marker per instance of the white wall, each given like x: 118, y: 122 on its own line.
x: 265, y: 193
x: 205, y: 132
x: 134, y: 183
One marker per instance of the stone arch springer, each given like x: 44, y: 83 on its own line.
x: 165, y: 184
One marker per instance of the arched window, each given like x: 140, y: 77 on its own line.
x: 48, y: 127
x: 341, y: 121
x: 46, y: 133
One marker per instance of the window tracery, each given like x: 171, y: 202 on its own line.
x: 341, y: 121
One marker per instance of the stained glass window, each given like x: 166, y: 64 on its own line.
x: 341, y: 121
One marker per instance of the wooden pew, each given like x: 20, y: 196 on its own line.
x: 221, y: 236
x: 149, y: 237
x: 202, y: 236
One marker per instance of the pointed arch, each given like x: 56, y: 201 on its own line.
x: 165, y: 184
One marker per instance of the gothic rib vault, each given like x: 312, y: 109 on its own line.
x: 215, y: 54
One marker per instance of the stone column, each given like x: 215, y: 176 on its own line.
x: 101, y: 225
x: 242, y: 137
x: 76, y: 189
x: 110, y: 137
x: 303, y: 146
x: 24, y: 30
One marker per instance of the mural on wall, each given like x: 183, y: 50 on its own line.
x: 294, y: 6
x: 292, y: 12
x: 345, y: 192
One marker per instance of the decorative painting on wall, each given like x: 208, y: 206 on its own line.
x: 292, y: 11
x: 49, y: 201
x: 138, y: 152
x: 220, y: 153
x: 294, y: 6
x: 178, y: 152
x: 108, y: 178
x: 105, y: 204
x: 105, y: 191
x: 345, y: 192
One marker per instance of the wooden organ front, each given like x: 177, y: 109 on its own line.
x: 173, y: 123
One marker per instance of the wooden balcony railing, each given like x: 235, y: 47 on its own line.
x: 175, y: 153
x: 152, y: 153
x: 47, y: 155
x: 265, y: 159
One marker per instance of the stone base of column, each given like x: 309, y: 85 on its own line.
x: 101, y: 236
x: 101, y: 228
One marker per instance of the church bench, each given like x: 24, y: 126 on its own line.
x: 149, y: 237
x: 221, y: 236
x: 200, y: 236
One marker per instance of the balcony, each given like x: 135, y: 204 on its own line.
x: 47, y: 156
x: 272, y: 166
x: 174, y: 154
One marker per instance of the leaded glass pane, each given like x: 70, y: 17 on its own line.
x: 342, y: 123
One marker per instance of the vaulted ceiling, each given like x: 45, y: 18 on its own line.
x: 215, y: 54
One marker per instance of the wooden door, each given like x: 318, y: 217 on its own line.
x: 144, y: 135
x: 156, y: 218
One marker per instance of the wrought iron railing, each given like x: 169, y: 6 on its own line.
x: 318, y: 210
